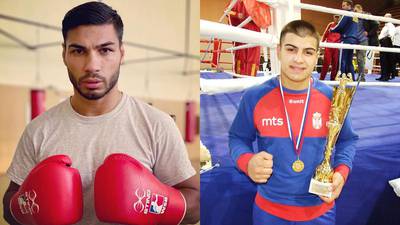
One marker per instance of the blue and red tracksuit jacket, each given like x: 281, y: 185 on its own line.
x: 348, y: 28
x: 261, y: 118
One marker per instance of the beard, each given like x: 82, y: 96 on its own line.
x: 93, y: 94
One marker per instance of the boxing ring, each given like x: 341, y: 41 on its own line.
x: 227, y: 195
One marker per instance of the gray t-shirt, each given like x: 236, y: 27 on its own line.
x: 132, y: 127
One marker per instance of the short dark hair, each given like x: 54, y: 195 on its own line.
x: 92, y: 13
x: 350, y: 2
x: 301, y: 28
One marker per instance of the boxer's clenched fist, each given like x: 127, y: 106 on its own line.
x: 259, y: 167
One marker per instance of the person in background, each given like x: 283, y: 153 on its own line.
x: 371, y: 29
x: 396, y: 44
x: 363, y: 40
x: 387, y: 58
x: 348, y: 28
x: 246, y: 60
x: 331, y: 55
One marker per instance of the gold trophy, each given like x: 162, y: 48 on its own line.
x: 205, y: 160
x: 205, y: 157
x: 342, y: 98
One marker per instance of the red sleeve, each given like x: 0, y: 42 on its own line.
x: 243, y: 161
x: 326, y: 32
x: 343, y: 170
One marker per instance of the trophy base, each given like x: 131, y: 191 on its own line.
x: 320, y: 188
x: 396, y: 185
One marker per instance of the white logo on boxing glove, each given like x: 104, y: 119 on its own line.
x: 138, y: 206
x: 27, y: 204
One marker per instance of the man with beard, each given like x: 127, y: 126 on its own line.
x: 99, y: 120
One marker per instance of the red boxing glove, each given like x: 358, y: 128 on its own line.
x: 126, y: 192
x: 50, y: 195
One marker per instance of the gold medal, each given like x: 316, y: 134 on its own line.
x: 298, y: 166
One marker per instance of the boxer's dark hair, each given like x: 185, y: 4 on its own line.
x: 301, y: 28
x: 92, y: 13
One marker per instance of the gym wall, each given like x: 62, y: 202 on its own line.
x: 161, y: 40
